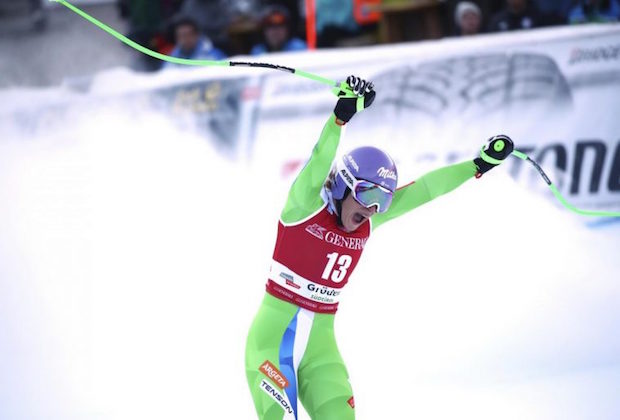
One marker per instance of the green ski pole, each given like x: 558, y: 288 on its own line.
x: 557, y: 193
x: 188, y: 62
x: 336, y: 87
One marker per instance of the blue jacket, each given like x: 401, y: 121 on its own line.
x: 293, y: 44
x: 579, y: 15
x: 204, y: 51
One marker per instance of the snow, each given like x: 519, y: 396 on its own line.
x: 133, y: 258
x: 133, y: 255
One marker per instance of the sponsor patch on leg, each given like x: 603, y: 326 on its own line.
x: 276, y: 396
x: 274, y: 374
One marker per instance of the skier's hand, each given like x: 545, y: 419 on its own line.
x: 355, y: 95
x: 493, y: 153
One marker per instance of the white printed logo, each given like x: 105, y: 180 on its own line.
x: 347, y: 177
x: 386, y: 173
x: 316, y: 230
x: 336, y: 239
x: 353, y: 163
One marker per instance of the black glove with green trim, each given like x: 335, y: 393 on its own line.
x: 355, y: 95
x: 493, y: 153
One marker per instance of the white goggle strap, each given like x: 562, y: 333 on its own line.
x: 345, y: 174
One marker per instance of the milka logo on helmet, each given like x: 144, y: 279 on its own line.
x: 386, y: 173
x: 316, y: 230
x: 353, y: 163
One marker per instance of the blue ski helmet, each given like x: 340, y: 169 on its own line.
x: 364, y: 163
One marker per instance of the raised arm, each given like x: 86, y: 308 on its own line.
x: 304, y: 197
x: 443, y: 180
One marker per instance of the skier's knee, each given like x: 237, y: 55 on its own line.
x: 339, y: 408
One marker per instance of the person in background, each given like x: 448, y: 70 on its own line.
x: 517, y: 14
x: 595, y: 11
x: 554, y: 12
x: 335, y: 21
x: 294, y: 7
x: 148, y: 26
x: 212, y: 18
x: 38, y: 15
x: 468, y: 18
x: 276, y: 31
x: 191, y: 44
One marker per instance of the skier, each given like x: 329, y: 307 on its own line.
x: 291, y: 349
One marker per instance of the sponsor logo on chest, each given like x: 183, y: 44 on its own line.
x: 322, y: 293
x: 318, y: 231
x: 289, y: 280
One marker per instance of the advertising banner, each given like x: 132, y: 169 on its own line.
x: 555, y: 91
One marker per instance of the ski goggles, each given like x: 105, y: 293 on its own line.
x: 366, y: 193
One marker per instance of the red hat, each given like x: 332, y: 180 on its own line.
x: 275, y: 16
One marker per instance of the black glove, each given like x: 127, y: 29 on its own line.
x: 493, y: 153
x: 355, y: 95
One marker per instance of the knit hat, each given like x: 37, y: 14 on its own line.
x: 275, y: 15
x: 464, y: 7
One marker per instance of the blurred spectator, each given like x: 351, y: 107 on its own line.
x: 468, y: 18
x: 555, y: 12
x: 38, y: 15
x: 517, y: 14
x: 148, y: 27
x: 294, y: 7
x: 212, y: 16
x: 148, y: 15
x: 215, y: 16
x: 243, y: 8
x: 335, y: 21
x: 593, y: 11
x: 276, y: 29
x: 191, y: 44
